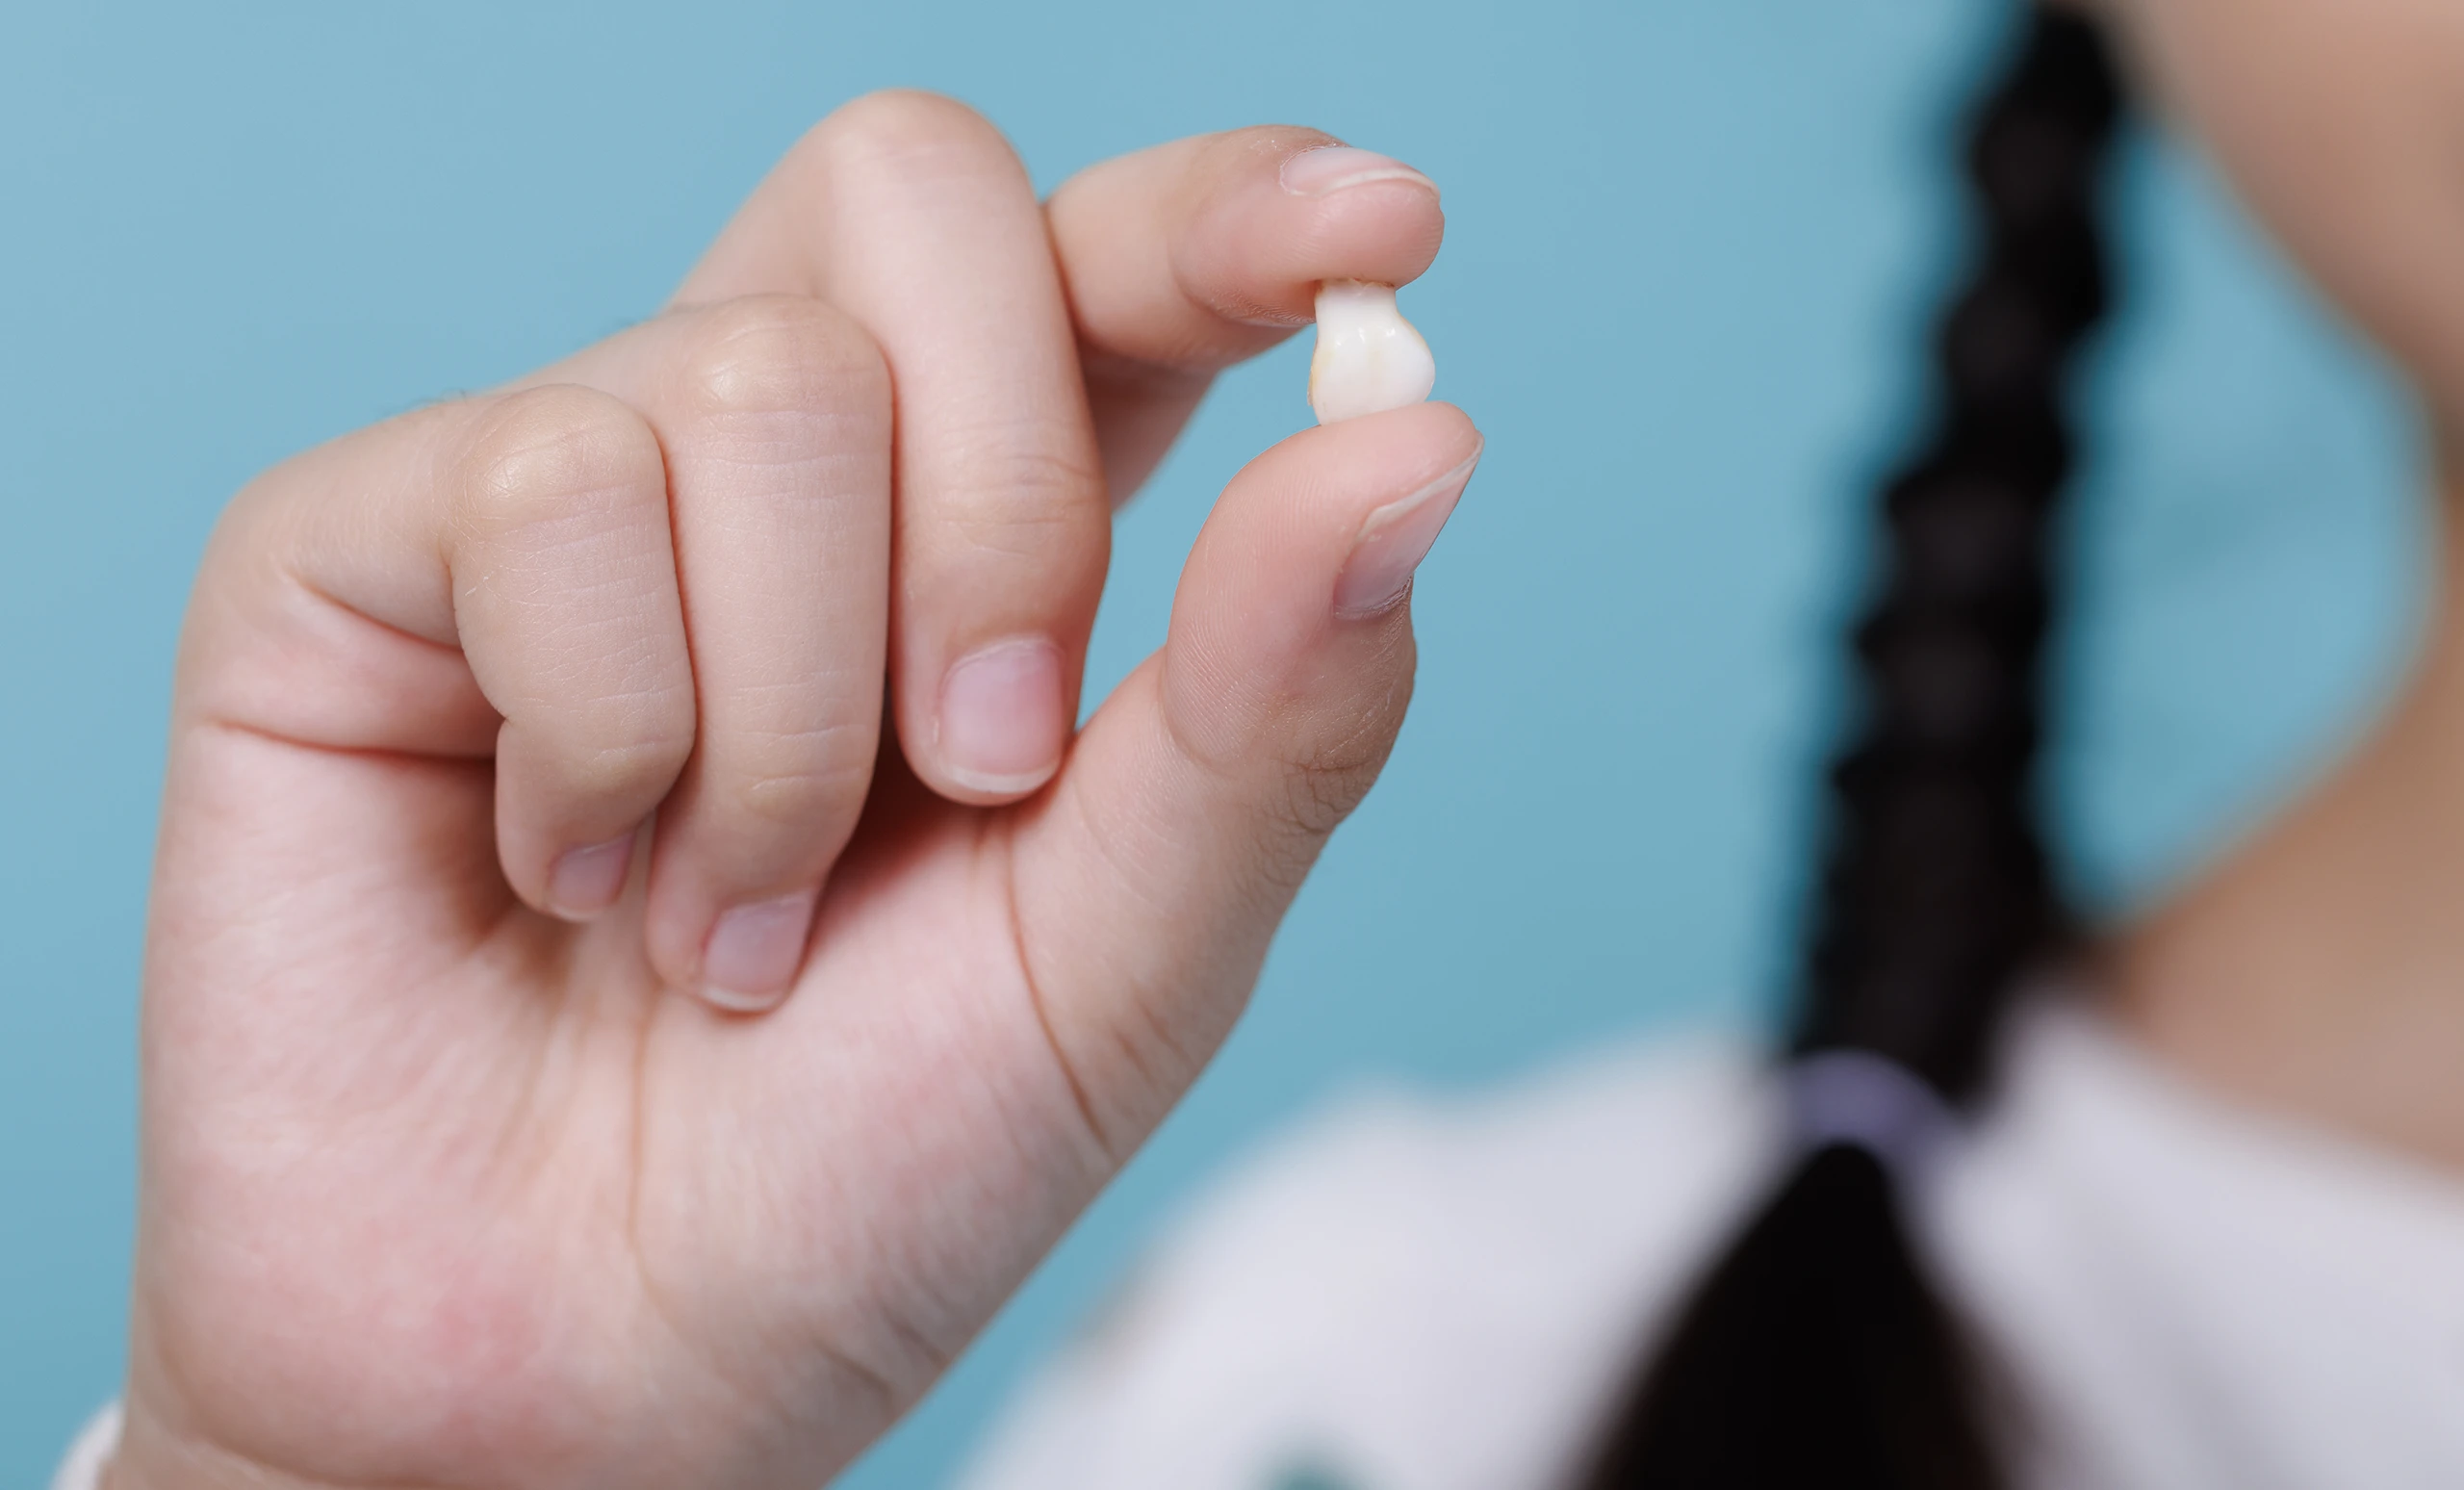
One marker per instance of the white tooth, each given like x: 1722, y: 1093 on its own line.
x: 1368, y: 358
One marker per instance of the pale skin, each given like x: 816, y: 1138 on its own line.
x: 475, y: 1155
x: 2317, y: 970
x: 510, y: 1116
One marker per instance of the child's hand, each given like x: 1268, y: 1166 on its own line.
x: 445, y: 1182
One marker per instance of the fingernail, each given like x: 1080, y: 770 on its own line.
x: 1002, y: 726
x: 1315, y: 173
x: 753, y: 952
x: 586, y: 880
x: 1393, y: 541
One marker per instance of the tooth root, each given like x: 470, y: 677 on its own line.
x: 1367, y: 359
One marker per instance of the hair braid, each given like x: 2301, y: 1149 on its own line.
x: 1937, y: 892
x: 1815, y: 1352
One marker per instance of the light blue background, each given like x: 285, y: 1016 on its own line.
x: 1689, y: 241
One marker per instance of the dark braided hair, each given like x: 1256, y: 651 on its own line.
x: 1815, y: 1352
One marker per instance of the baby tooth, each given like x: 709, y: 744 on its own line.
x: 1368, y: 358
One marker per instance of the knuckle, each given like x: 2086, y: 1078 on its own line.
x: 1308, y: 808
x: 794, y: 780
x: 1317, y: 795
x: 795, y: 800
x: 636, y: 760
x: 1321, y: 781
x: 783, y: 354
x: 906, y: 128
x: 555, y: 452
x: 1023, y: 491
x: 1042, y: 474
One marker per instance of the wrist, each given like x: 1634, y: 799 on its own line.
x: 149, y: 1455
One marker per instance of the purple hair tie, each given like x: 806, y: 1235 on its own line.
x: 1856, y: 1097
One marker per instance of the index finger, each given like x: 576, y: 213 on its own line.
x: 1184, y: 259
x: 1041, y: 360
x: 1176, y: 261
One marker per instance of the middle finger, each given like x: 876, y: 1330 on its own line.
x: 910, y: 213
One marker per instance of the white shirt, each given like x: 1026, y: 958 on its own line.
x: 1414, y: 1296
x: 1417, y: 1296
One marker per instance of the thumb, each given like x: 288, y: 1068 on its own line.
x: 1150, y: 879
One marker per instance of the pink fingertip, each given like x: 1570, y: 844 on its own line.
x: 754, y: 951
x: 1004, y: 719
x: 586, y: 880
x: 1330, y: 169
x: 1393, y: 541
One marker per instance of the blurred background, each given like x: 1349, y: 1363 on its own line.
x: 1691, y: 244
